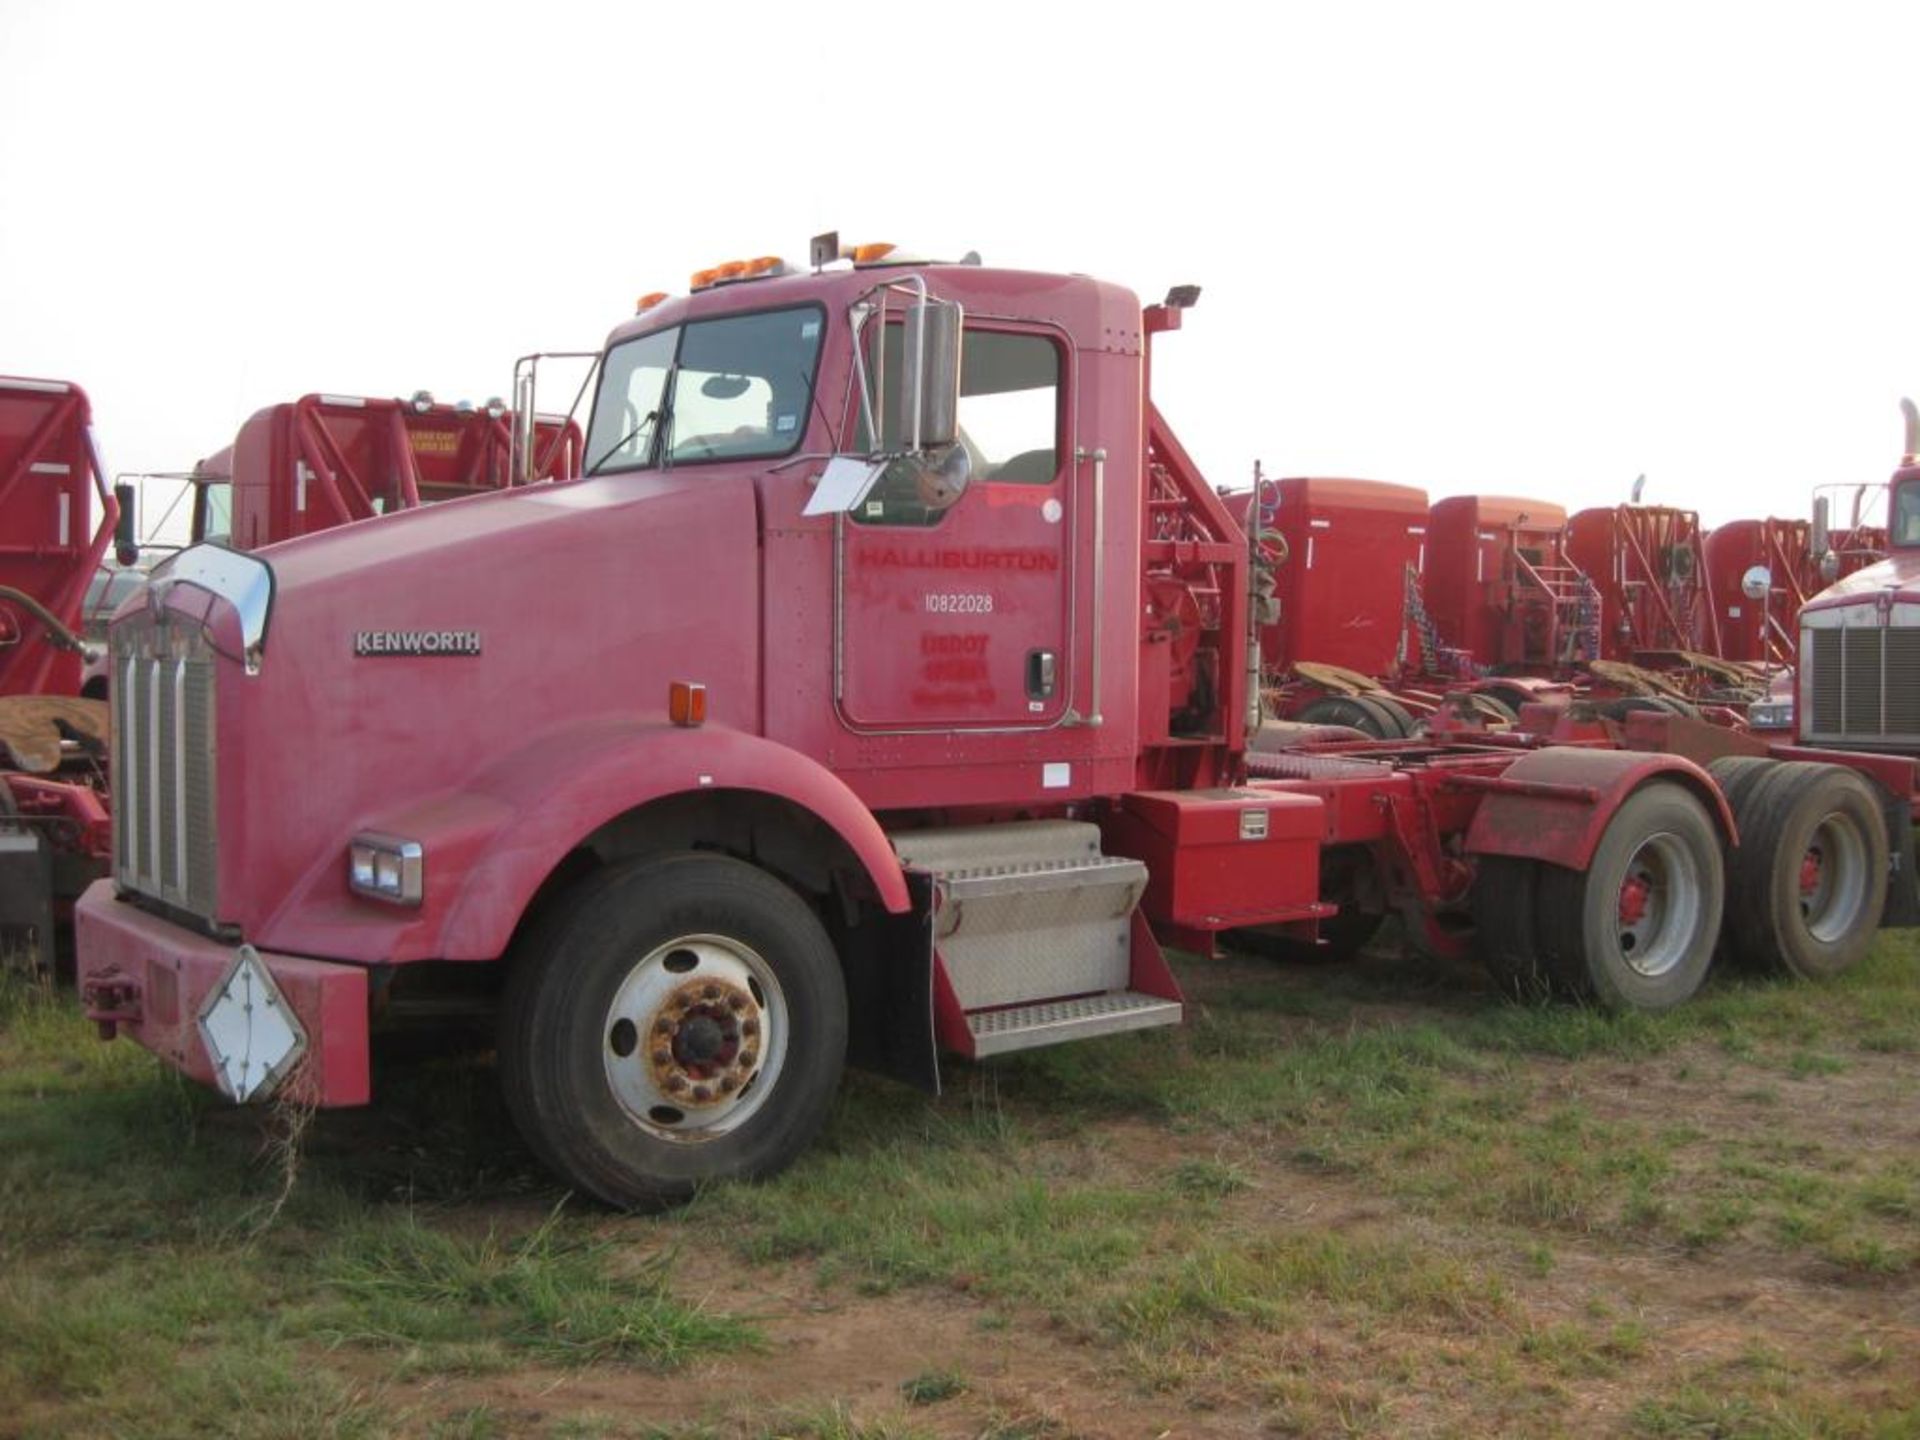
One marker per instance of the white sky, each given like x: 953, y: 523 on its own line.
x: 1532, y: 249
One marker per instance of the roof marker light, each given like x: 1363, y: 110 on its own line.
x: 648, y: 301
x: 868, y: 254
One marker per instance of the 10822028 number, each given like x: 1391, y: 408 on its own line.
x: 949, y: 603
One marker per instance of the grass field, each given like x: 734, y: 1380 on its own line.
x: 1373, y: 1200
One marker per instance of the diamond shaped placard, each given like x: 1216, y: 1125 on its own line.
x: 250, y: 1031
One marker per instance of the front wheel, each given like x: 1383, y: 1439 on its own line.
x: 1636, y: 929
x: 673, y: 1022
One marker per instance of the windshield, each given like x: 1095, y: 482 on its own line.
x: 724, y: 389
x: 213, y: 513
x: 1906, y: 514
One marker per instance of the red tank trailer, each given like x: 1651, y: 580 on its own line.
x: 887, y: 688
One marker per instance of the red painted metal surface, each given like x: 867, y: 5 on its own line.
x: 1764, y: 630
x: 325, y: 460
x: 1554, y: 804
x: 148, y: 980
x: 1217, y: 859
x: 1498, y: 584
x: 1647, y: 563
x: 1342, y: 590
x: 56, y: 519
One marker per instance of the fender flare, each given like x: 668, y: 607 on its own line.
x: 1555, y: 803
x: 546, y: 797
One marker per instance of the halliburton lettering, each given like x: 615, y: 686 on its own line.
x: 416, y: 642
x: 973, y: 557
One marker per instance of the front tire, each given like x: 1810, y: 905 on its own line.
x: 672, y: 1022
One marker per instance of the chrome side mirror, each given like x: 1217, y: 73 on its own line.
x: 927, y: 413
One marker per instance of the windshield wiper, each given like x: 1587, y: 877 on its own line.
x: 624, y: 441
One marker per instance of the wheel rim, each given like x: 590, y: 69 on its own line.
x: 1657, y: 913
x: 1833, y: 879
x: 695, y: 1038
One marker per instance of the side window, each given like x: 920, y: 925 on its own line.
x: 1010, y: 406
x: 1009, y: 426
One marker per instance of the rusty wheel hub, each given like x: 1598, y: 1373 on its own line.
x: 695, y: 1038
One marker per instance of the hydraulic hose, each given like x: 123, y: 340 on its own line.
x: 56, y: 628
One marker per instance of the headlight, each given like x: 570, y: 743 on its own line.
x: 387, y: 868
x: 1771, y: 715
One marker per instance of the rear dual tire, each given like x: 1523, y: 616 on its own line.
x: 1635, y: 930
x: 1378, y: 716
x: 1808, y: 883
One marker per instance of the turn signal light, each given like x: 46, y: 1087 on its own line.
x: 687, y: 703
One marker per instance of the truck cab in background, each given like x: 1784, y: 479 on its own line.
x: 1858, y: 683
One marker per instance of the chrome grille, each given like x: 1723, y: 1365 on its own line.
x: 1863, y: 683
x: 164, y: 764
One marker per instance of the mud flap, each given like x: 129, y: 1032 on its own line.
x: 26, y: 900
x: 888, y: 961
x: 1903, y: 884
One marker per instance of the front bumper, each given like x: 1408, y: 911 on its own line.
x: 152, y: 981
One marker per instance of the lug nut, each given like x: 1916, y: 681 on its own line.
x: 663, y: 1056
x: 710, y: 992
x: 749, y: 1027
x: 703, y: 1093
x: 676, y: 1083
x: 663, y: 1026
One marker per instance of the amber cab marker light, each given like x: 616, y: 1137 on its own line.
x: 687, y: 703
x: 648, y: 301
x: 867, y: 254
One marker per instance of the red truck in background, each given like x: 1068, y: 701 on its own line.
x: 324, y: 460
x: 1857, y: 686
x: 887, y: 686
x: 57, y: 518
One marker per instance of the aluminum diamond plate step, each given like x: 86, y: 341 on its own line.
x: 1029, y: 911
x: 1028, y: 1027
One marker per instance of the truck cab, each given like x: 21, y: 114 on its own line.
x: 1858, y: 685
x: 791, y: 730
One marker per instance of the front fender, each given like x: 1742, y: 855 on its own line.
x: 1555, y: 803
x: 490, y: 845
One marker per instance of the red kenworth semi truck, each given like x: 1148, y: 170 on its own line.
x: 887, y: 687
